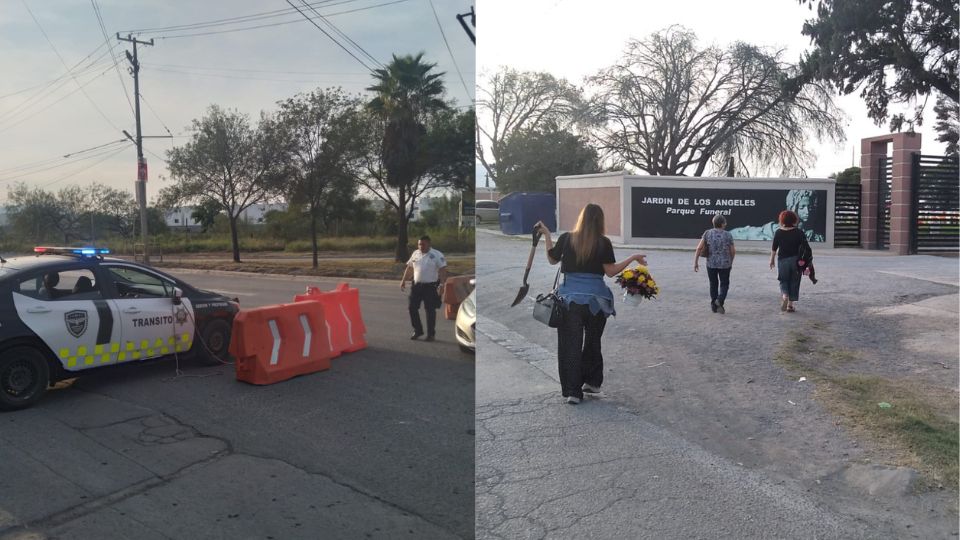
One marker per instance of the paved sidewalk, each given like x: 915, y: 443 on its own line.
x: 597, y: 470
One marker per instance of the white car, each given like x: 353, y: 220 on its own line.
x: 466, y: 323
x: 487, y: 212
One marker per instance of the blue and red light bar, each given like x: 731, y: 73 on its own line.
x: 84, y: 251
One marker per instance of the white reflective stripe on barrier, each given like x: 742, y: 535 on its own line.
x: 306, y: 331
x: 329, y: 336
x: 349, y: 324
x: 274, y: 356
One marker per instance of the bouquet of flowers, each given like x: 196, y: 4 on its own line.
x: 637, y: 283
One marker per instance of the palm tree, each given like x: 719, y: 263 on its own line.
x: 408, y: 92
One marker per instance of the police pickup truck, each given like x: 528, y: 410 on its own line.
x: 67, y: 310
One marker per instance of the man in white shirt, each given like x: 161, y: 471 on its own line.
x: 429, y: 272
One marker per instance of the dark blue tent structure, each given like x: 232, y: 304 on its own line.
x: 520, y: 211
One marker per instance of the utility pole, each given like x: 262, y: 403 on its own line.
x: 462, y: 17
x: 141, y: 185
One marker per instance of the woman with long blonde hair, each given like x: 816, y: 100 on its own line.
x: 585, y: 256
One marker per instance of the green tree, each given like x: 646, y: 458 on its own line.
x: 319, y: 133
x: 206, y: 213
x: 514, y: 101
x: 32, y: 212
x: 670, y: 106
x: 116, y: 209
x: 894, y: 51
x: 948, y: 123
x: 850, y: 175
x: 532, y: 160
x: 227, y: 161
x: 408, y: 95
x: 450, y: 145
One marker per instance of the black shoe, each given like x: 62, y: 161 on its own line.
x: 430, y: 338
x: 713, y: 306
x: 416, y: 336
x: 720, y: 309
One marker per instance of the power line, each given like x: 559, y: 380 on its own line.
x: 247, y: 70
x: 78, y: 171
x: 331, y: 37
x: 445, y: 42
x: 50, y: 88
x: 342, y: 34
x: 64, y: 62
x: 92, y: 154
x: 221, y: 76
x: 65, y: 96
x: 292, y: 21
x: 232, y: 20
x: 47, y: 161
x: 155, y: 115
x: 103, y: 30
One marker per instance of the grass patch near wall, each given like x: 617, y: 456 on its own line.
x: 919, y: 428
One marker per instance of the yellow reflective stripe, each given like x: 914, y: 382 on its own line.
x: 165, y: 350
x: 144, y: 344
x: 72, y: 361
x: 121, y: 357
x: 88, y: 360
x: 98, y: 349
x: 114, y: 347
x: 135, y: 354
x: 131, y: 345
x: 64, y: 353
x: 185, y: 337
x: 82, y: 350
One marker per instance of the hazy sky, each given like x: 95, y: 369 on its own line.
x: 181, y: 76
x: 576, y: 38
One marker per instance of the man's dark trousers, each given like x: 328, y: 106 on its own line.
x: 426, y: 293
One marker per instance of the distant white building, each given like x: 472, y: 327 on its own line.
x: 257, y: 213
x: 181, y: 218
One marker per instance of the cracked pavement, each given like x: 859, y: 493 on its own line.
x: 694, y: 437
x: 143, y: 451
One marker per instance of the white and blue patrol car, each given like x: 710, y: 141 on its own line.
x: 67, y: 310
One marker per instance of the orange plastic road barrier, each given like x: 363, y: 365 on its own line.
x: 276, y: 343
x: 345, y: 328
x: 455, y: 290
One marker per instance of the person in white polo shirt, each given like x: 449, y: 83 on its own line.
x: 429, y: 272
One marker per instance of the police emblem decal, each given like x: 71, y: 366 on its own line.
x: 181, y: 315
x: 76, y: 322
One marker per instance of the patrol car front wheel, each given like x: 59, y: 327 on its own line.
x: 24, y: 377
x: 216, y: 342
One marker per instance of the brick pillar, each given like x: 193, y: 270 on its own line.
x: 904, y: 146
x: 871, y: 151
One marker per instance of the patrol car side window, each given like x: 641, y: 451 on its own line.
x: 133, y: 283
x: 64, y: 285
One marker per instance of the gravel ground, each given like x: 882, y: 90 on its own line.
x: 712, y: 380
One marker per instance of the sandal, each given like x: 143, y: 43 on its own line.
x: 790, y: 309
x: 783, y: 304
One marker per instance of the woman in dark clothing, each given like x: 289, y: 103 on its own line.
x: 585, y: 255
x: 786, y: 249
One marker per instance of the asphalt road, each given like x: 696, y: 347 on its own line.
x: 379, y: 446
x: 699, y: 432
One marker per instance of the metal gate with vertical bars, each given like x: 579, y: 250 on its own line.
x: 846, y: 216
x: 935, y: 208
x: 884, y: 190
